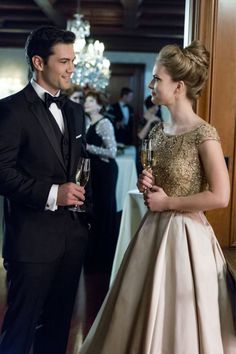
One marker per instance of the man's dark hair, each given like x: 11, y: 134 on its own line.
x: 41, y: 41
x: 125, y: 91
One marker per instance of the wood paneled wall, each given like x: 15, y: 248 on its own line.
x: 216, y: 28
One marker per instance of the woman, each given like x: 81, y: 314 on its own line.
x: 170, y: 294
x: 101, y: 146
x: 150, y: 118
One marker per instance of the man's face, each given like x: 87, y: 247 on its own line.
x: 56, y: 73
x: 128, y: 98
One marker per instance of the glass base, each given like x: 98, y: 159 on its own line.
x: 77, y: 209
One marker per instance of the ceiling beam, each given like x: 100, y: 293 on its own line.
x: 123, y: 44
x: 15, y: 7
x: 55, y: 16
x: 140, y: 33
x: 123, y: 25
x: 131, y: 12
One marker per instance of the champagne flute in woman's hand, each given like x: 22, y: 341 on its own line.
x: 148, y: 155
x: 81, y: 178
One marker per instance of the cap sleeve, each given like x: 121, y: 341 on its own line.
x: 153, y: 133
x: 206, y: 132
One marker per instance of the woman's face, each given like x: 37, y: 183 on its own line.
x: 91, y: 105
x: 76, y: 97
x: 162, y: 86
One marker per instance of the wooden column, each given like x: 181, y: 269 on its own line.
x: 215, y: 26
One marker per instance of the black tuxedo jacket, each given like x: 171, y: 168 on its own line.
x: 30, y: 162
x: 122, y: 135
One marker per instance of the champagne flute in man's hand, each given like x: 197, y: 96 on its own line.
x: 81, y: 178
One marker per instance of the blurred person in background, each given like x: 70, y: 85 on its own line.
x: 123, y: 116
x: 76, y: 94
x: 151, y: 116
x: 101, y: 147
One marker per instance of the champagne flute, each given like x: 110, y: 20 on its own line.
x: 81, y: 178
x: 148, y: 155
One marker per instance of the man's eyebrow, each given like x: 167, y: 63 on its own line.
x: 67, y: 58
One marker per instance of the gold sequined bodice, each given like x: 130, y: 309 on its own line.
x: 179, y: 170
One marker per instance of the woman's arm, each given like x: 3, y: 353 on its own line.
x: 217, y: 196
x: 145, y: 130
x: 105, y: 130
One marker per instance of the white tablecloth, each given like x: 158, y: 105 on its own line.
x: 130, y: 150
x: 127, y: 178
x: 133, y: 212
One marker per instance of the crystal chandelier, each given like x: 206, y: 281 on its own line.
x: 91, y: 67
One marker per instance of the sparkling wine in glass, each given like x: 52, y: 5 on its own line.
x: 148, y: 154
x: 81, y: 178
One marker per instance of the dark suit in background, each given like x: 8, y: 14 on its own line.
x: 123, y: 132
x: 43, y: 250
x: 122, y: 116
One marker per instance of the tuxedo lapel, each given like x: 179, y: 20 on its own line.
x: 118, y: 111
x: 70, y: 118
x: 38, y: 109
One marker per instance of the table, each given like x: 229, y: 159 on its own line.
x: 130, y: 150
x: 127, y: 178
x: 133, y: 212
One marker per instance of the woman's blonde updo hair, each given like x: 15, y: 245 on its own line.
x: 189, y: 64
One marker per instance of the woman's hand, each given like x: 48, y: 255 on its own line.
x: 145, y: 180
x: 156, y: 199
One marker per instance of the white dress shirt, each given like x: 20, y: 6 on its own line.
x: 57, y: 114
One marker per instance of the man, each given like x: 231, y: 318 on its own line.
x: 122, y: 114
x: 44, y: 242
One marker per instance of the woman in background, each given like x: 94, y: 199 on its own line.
x: 150, y: 118
x: 101, y: 146
x: 76, y: 94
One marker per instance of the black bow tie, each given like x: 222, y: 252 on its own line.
x: 49, y: 99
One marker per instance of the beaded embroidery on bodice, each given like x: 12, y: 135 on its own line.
x: 179, y: 170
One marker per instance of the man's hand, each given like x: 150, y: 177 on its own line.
x: 70, y: 194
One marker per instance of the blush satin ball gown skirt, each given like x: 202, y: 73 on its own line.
x: 170, y: 294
